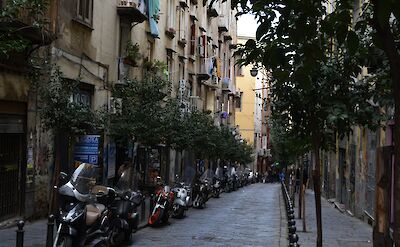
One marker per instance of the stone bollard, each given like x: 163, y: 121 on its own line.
x: 291, y: 222
x: 293, y: 238
x: 50, y: 231
x: 20, y: 233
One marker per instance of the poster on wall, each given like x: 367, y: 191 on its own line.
x: 87, y: 149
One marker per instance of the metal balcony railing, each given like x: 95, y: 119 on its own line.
x: 196, y: 103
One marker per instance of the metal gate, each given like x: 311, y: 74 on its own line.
x: 11, y: 154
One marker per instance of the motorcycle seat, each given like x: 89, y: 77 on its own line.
x: 93, y: 212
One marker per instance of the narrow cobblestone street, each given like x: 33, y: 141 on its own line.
x: 250, y: 216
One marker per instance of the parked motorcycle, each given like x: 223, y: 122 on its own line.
x: 181, y: 199
x: 232, y: 178
x: 124, y: 218
x: 217, y: 182
x: 164, y: 198
x: 83, y: 221
x: 201, y: 190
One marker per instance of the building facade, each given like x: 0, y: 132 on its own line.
x: 253, y: 111
x: 196, y: 41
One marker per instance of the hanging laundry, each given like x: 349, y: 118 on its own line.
x: 154, y: 14
x: 211, y: 66
x: 219, y: 67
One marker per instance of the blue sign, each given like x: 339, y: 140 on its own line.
x: 87, y: 149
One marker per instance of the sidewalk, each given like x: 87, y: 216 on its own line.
x: 339, y: 229
x: 36, y: 232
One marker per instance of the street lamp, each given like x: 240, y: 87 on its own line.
x: 254, y: 71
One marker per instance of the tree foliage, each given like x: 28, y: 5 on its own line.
x: 32, y: 12
x: 139, y: 113
x: 58, y: 111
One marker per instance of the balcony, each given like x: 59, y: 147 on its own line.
x: 203, y: 72
x: 222, y: 24
x: 212, y: 12
x: 196, y: 103
x: 183, y: 3
x: 227, y: 37
x: 129, y: 10
x: 29, y: 22
x: 227, y: 86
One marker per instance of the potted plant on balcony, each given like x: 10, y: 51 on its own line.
x: 156, y: 66
x: 132, y: 54
x: 170, y: 32
x: 182, y: 42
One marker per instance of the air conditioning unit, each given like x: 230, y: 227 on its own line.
x: 215, y: 80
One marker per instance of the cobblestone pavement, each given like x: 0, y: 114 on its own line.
x: 250, y: 216
x: 339, y: 229
x: 35, y: 235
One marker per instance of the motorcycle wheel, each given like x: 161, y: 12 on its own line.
x: 128, y: 235
x: 179, y: 212
x: 64, y: 241
x: 155, y: 218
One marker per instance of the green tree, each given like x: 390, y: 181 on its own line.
x: 11, y: 36
x: 60, y: 114
x: 139, y: 110
x: 314, y: 57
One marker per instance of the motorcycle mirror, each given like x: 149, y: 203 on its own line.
x: 63, y: 175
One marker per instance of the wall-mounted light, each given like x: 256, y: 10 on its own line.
x: 254, y: 71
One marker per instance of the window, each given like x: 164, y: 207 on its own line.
x: 170, y: 64
x: 171, y: 14
x: 192, y: 39
x: 182, y: 24
x: 83, y: 95
x: 239, y: 71
x: 84, y: 11
x: 238, y: 102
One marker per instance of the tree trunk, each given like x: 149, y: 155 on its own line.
x: 56, y: 172
x: 303, y: 201
x: 181, y: 169
x: 301, y: 191
x: 317, y: 185
x: 389, y: 46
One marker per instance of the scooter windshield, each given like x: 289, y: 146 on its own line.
x: 125, y: 181
x: 231, y: 171
x: 84, y: 178
x: 189, y: 175
x: 207, y: 175
x: 219, y: 172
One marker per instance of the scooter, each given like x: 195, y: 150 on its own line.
x: 124, y: 218
x: 181, y: 200
x: 82, y: 220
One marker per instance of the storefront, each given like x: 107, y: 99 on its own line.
x: 12, y: 158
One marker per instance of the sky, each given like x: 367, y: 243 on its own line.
x: 247, y: 26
